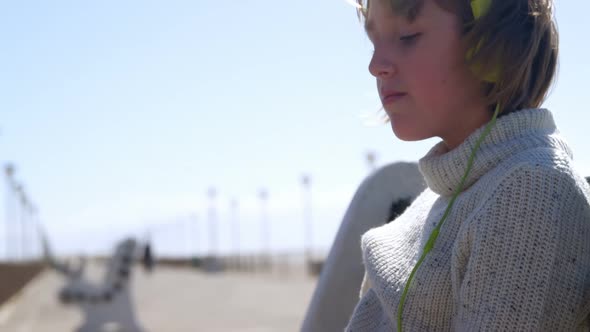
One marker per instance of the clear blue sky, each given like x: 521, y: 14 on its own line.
x: 120, y: 114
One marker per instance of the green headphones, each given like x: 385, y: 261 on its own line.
x: 479, y: 8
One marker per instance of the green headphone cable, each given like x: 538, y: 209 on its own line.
x: 434, y: 234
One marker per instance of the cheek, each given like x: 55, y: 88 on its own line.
x: 437, y: 80
x: 429, y: 84
x: 438, y: 66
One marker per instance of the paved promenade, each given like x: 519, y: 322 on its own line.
x: 176, y: 300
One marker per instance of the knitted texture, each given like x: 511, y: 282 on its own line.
x: 514, y: 253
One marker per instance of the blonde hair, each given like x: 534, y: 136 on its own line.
x: 515, y: 39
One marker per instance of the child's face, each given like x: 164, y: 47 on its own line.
x: 425, y: 86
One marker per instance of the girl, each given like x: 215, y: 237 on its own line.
x: 500, y: 239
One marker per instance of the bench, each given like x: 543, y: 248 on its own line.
x: 106, y: 303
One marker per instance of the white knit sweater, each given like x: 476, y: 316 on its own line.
x: 513, y: 255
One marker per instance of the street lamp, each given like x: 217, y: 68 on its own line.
x: 265, y: 229
x: 307, y: 221
x: 212, y: 217
x: 33, y: 229
x: 371, y: 159
x: 196, y: 247
x: 235, y: 226
x: 22, y: 213
x: 9, y: 170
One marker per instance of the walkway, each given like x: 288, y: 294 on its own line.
x: 176, y: 300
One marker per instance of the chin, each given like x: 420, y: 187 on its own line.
x: 407, y: 134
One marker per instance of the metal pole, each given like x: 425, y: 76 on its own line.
x: 307, y: 221
x: 371, y: 159
x: 212, y: 217
x: 186, y: 225
x: 235, y: 225
x: 34, y: 231
x: 195, y: 235
x: 22, y: 217
x: 265, y: 227
x: 9, y: 173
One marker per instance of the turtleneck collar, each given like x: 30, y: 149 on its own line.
x: 513, y: 133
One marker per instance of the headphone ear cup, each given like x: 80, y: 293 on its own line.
x: 490, y: 76
x: 479, y: 9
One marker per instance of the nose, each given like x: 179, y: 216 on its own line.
x: 381, y: 66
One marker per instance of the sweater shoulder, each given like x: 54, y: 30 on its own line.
x: 538, y: 185
x: 535, y: 189
x: 538, y: 166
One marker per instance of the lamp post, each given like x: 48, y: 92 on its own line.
x: 265, y: 227
x: 196, y: 247
x: 22, y: 216
x: 33, y: 230
x: 235, y: 227
x: 371, y: 160
x: 186, y: 226
x: 212, y: 218
x: 307, y: 220
x: 9, y: 207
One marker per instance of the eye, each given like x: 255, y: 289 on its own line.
x: 410, y: 39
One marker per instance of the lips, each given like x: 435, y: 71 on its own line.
x: 388, y: 97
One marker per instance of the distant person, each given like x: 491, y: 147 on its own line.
x: 500, y: 244
x: 148, y: 258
